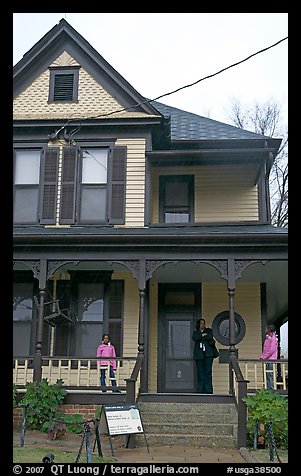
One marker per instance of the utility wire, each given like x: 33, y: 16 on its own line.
x: 148, y: 101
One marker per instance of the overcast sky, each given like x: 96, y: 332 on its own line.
x: 159, y: 52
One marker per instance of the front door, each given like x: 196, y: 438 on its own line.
x: 178, y: 311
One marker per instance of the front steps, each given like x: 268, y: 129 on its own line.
x: 192, y: 424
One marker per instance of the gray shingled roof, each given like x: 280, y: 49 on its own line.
x: 188, y: 126
x: 193, y: 231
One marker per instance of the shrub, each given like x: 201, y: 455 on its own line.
x: 43, y: 400
x: 264, y: 407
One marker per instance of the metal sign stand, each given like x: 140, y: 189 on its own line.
x: 125, y: 420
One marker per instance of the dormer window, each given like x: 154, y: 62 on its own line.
x: 63, y: 86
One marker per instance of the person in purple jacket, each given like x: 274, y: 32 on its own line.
x: 270, y: 351
x: 106, y: 349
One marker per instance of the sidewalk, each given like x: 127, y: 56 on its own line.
x: 157, y: 454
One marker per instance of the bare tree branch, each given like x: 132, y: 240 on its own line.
x: 265, y: 119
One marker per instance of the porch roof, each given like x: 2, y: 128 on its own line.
x: 153, y: 231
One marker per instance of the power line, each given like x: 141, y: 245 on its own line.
x: 148, y: 101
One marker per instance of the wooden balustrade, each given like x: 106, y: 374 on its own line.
x: 76, y: 372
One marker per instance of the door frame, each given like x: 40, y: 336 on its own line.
x: 162, y: 311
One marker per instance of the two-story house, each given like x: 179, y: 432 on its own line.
x: 134, y: 218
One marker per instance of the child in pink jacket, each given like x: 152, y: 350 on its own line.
x: 270, y: 351
x: 106, y: 349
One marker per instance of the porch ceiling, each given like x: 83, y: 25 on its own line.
x: 274, y: 274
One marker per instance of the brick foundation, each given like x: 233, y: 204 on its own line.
x: 87, y: 412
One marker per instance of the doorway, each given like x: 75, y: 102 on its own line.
x: 179, y: 308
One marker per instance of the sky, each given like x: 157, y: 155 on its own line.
x: 160, y: 52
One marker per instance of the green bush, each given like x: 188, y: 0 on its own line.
x: 74, y: 422
x: 264, y: 407
x: 43, y: 400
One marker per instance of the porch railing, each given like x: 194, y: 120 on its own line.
x: 256, y: 371
x: 78, y: 373
x: 249, y: 375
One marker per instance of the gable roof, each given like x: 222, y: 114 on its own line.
x: 189, y: 126
x: 64, y: 37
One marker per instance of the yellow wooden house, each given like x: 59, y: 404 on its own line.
x: 135, y: 218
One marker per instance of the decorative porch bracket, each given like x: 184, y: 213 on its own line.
x: 42, y: 271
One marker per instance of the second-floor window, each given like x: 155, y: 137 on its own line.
x: 75, y: 186
x: 26, y: 185
x: 93, y: 185
x: 176, y: 195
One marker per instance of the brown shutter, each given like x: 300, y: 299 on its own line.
x: 117, y: 185
x: 49, y: 185
x: 68, y: 186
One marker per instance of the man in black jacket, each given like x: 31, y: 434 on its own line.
x: 203, y: 355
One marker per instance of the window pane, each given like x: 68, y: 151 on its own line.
x: 87, y: 339
x: 27, y: 167
x: 175, y: 217
x: 22, y: 301
x: 90, y: 302
x: 26, y: 205
x: 93, y: 204
x: 184, y: 298
x: 115, y: 332
x: 116, y: 299
x: 22, y: 316
x: 21, y: 339
x: 176, y: 193
x: 179, y: 339
x: 94, y: 166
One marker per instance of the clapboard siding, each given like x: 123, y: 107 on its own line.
x: 131, y: 313
x: 221, y: 193
x: 135, y: 181
x: 247, y: 304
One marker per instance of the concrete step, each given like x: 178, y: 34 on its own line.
x: 187, y: 417
x: 208, y: 441
x: 200, y: 424
x: 190, y: 428
x: 195, y: 408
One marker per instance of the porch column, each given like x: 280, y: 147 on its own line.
x: 37, y: 362
x: 142, y: 293
x: 231, y: 291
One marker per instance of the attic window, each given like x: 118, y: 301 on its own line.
x: 63, y: 86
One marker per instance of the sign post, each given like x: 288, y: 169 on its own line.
x: 123, y: 419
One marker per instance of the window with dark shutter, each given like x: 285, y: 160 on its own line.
x: 49, y: 185
x: 68, y: 186
x: 93, y: 186
x: 26, y: 185
x: 63, y: 85
x: 117, y: 186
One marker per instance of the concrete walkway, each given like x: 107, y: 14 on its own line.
x: 178, y: 454
x: 157, y: 454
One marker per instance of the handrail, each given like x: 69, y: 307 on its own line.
x: 130, y: 392
x: 241, y: 405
